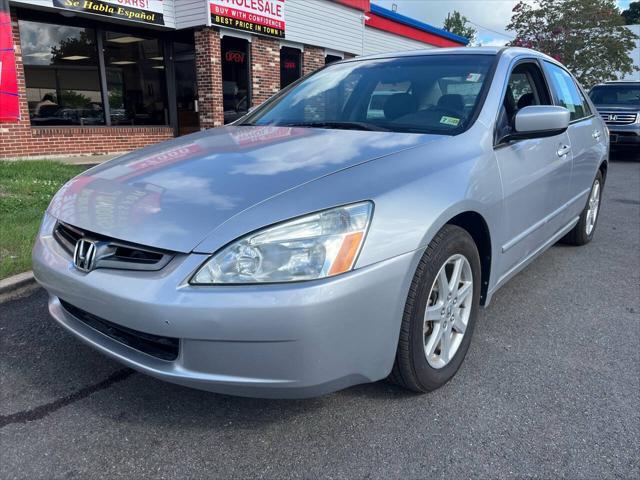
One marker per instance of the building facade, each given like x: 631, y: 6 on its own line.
x: 109, y: 76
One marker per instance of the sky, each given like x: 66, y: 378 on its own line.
x: 489, y: 16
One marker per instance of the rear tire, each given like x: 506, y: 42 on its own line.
x: 422, y: 364
x: 584, y: 230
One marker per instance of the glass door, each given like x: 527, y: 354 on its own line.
x: 184, y: 57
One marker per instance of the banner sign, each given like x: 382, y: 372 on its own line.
x: 9, y: 100
x: 264, y: 17
x: 145, y: 11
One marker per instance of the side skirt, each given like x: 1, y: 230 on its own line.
x: 532, y: 256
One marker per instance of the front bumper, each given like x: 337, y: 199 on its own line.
x: 279, y: 341
x: 622, y: 136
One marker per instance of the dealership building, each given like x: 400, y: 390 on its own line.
x: 109, y: 76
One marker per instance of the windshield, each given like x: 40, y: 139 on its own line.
x: 621, y: 95
x: 422, y: 94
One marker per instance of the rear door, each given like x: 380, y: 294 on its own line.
x: 586, y: 134
x: 535, y: 172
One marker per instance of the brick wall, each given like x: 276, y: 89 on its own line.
x: 20, y: 139
x: 265, y: 68
x: 312, y: 59
x: 209, y: 76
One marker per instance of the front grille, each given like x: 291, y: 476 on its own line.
x: 112, y: 253
x: 618, y: 118
x: 67, y: 236
x: 164, y: 348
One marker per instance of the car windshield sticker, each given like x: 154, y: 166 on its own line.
x: 450, y: 121
x: 474, y: 77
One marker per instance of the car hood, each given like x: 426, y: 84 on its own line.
x: 619, y: 108
x: 171, y: 195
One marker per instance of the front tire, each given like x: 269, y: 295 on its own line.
x: 440, y: 312
x: 584, y: 230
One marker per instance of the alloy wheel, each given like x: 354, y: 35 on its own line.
x: 593, y: 206
x: 448, y: 309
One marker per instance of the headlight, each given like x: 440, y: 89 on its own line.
x: 318, y: 245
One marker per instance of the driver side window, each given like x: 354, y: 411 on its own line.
x: 526, y: 87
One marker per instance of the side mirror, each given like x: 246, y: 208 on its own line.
x: 540, y: 121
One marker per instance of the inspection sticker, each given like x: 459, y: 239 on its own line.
x: 474, y: 77
x: 450, y: 121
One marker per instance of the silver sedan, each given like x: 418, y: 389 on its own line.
x: 345, y: 231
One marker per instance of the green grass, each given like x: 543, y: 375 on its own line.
x: 26, y: 188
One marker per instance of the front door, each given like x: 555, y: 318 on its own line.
x: 535, y: 173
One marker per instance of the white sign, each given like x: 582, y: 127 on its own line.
x: 265, y: 17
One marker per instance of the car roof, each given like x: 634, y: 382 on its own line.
x: 506, y: 51
x: 618, y: 82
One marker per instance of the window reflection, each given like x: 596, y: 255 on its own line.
x: 61, y: 74
x: 135, y: 79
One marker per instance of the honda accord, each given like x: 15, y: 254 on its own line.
x: 345, y: 231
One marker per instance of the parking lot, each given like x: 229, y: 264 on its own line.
x: 550, y: 389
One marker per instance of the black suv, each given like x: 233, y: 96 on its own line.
x: 619, y: 106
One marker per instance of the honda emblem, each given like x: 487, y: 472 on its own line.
x: 84, y: 256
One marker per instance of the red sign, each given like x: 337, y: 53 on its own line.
x: 264, y: 17
x: 235, y: 56
x: 9, y: 100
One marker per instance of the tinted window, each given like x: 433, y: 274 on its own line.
x: 567, y: 93
x: 621, y: 95
x: 135, y: 79
x: 61, y: 74
x: 427, y: 94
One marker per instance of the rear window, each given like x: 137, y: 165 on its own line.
x: 422, y: 94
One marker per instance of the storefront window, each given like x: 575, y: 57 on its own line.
x: 235, y: 78
x: 136, y: 81
x: 290, y: 65
x: 61, y: 74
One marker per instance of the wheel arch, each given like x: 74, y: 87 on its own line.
x: 604, y: 166
x: 476, y: 226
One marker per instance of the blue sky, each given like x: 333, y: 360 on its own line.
x: 490, y: 16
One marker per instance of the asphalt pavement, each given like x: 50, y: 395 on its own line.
x: 550, y: 389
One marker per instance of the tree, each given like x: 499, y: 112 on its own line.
x: 457, y: 23
x: 588, y: 36
x: 631, y: 16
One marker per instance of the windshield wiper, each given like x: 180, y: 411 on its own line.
x: 338, y: 125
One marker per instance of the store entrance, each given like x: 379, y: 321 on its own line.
x: 235, y: 77
x: 184, y: 56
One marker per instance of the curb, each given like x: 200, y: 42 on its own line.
x: 16, y: 282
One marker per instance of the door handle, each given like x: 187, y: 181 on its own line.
x: 596, y: 134
x: 563, y: 150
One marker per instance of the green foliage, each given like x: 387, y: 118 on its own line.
x: 588, y: 36
x: 631, y: 16
x: 458, y: 24
x: 26, y: 188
